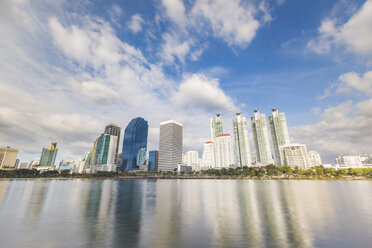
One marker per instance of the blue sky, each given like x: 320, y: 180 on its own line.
x: 67, y: 69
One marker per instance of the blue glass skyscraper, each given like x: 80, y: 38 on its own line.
x: 135, y: 138
x: 153, y: 160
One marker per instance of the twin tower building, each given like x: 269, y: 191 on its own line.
x: 219, y: 151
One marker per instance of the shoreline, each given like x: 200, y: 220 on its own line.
x: 199, y: 178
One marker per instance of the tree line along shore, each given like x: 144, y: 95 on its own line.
x: 268, y: 172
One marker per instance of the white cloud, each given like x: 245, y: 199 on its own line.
x: 58, y: 73
x: 344, y: 129
x: 135, y: 23
x: 198, y: 91
x: 350, y: 83
x: 230, y: 20
x: 174, y: 48
x: 175, y: 10
x: 355, y: 34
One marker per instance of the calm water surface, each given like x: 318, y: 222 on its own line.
x: 185, y: 213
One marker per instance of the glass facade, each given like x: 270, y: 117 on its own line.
x: 153, y: 160
x: 135, y: 138
x: 102, y: 149
x: 48, y: 156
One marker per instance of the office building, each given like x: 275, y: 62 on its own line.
x: 16, y: 163
x: 8, y: 157
x: 349, y: 161
x: 224, y: 151
x: 104, y: 156
x: 294, y: 155
x: 314, y: 159
x: 241, y: 140
x: 135, y: 139
x: 23, y: 166
x: 170, y: 145
x: 279, y: 133
x: 208, y: 157
x: 48, y: 156
x: 216, y: 126
x: 153, y: 160
x: 114, y: 129
x: 261, y: 139
x: 192, y: 159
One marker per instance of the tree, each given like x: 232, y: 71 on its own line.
x: 260, y: 172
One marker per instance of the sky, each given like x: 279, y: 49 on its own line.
x: 68, y: 68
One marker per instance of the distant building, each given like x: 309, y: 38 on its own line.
x: 104, y: 157
x: 141, y: 157
x: 66, y: 165
x: 216, y: 126
x: 348, y: 161
x: 279, y: 133
x: 294, y: 155
x: 34, y: 162
x: 16, y: 163
x: 261, y: 139
x: 192, y: 159
x: 153, y: 160
x: 224, y: 151
x: 314, y: 159
x: 115, y: 130
x: 241, y: 140
x: 8, y: 157
x: 23, y: 166
x: 135, y: 139
x: 170, y: 145
x: 208, y: 157
x: 48, y: 156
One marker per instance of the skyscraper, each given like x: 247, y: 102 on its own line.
x: 104, y: 155
x: 48, y: 156
x: 224, y: 150
x: 8, y: 157
x: 135, y: 138
x: 216, y: 126
x: 279, y: 133
x: 241, y: 138
x: 208, y: 157
x: 170, y: 145
x: 261, y: 138
x: 114, y: 129
x: 153, y: 160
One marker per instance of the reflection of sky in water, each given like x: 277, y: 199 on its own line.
x: 185, y: 213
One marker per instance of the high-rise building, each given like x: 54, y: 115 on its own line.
x: 8, y: 157
x: 314, y: 159
x: 192, y: 159
x: 241, y: 138
x: 114, y: 129
x: 153, y: 160
x: 349, y: 161
x: 216, y: 126
x: 135, y: 139
x: 104, y: 155
x: 261, y: 139
x: 170, y: 145
x: 91, y: 162
x: 294, y: 155
x: 279, y: 133
x: 141, y: 157
x: 48, y: 156
x: 208, y: 157
x: 224, y: 151
x: 87, y: 159
x: 16, y: 164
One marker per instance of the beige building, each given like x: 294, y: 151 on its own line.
x: 23, y: 166
x: 294, y: 155
x: 8, y: 157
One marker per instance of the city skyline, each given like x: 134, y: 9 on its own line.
x: 67, y: 69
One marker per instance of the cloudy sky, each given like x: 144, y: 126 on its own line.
x: 67, y: 68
